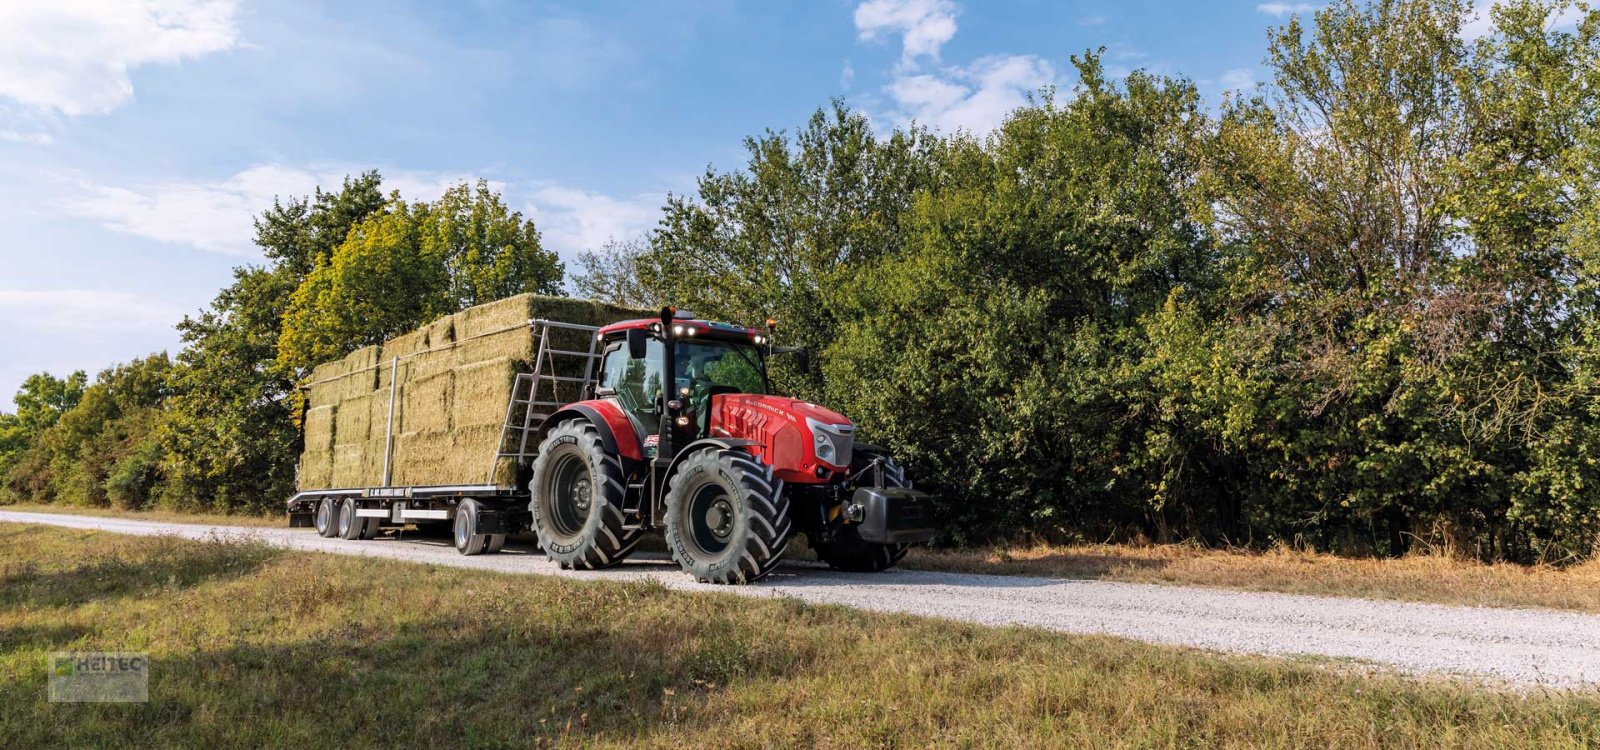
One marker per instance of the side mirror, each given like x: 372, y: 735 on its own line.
x: 637, y: 343
x: 802, y: 360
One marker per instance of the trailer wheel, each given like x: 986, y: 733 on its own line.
x: 727, y: 517
x: 468, y: 543
x: 577, y: 496
x: 327, y: 517
x: 848, y: 551
x: 351, y: 526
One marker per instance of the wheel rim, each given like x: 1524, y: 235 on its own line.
x: 712, y: 517
x: 461, y: 528
x: 568, y: 496
x: 346, y: 517
x: 324, y: 517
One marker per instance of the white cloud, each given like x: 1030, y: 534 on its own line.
x: 1238, y: 79
x: 847, y: 76
x: 1285, y: 9
x: 36, y: 138
x: 573, y: 220
x: 975, y: 98
x: 1092, y: 21
x: 218, y: 216
x: 68, y: 310
x: 73, y: 56
x: 924, y: 25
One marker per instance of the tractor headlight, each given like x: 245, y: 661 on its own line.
x: 832, y: 442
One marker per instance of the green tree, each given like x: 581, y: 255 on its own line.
x: 71, y: 458
x: 611, y: 274
x: 40, y: 402
x: 411, y: 263
x: 229, y: 437
x: 1000, y: 352
x: 1397, y: 214
x: 785, y: 236
x: 43, y: 398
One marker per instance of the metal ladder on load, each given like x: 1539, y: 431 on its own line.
x: 538, y: 394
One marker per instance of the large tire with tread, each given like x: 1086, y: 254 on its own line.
x: 848, y: 551
x: 326, y: 520
x: 467, y: 542
x: 727, y: 517
x: 577, y: 496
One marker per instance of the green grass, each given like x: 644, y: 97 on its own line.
x: 256, y: 647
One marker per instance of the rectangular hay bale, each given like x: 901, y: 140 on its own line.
x: 455, y: 376
x: 353, y: 420
x: 349, y: 465
x: 427, y: 403
x: 482, y: 390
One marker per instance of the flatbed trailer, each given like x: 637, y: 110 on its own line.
x: 495, y: 510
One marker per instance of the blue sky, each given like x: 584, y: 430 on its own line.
x: 138, y: 137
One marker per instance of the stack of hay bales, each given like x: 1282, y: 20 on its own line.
x: 452, y: 381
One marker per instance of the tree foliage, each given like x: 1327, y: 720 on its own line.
x: 229, y: 436
x: 1353, y: 308
x: 411, y: 263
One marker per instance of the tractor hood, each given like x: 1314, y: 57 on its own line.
x: 802, y: 441
x: 791, y: 409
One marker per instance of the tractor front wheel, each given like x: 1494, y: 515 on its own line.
x: 578, y: 492
x: 727, y: 517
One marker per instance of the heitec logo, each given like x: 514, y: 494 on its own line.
x: 99, y: 677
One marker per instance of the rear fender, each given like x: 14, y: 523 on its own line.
x: 617, y: 432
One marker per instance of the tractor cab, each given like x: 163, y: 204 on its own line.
x: 708, y: 359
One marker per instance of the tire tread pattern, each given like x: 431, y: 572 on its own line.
x: 610, y: 543
x: 766, y: 508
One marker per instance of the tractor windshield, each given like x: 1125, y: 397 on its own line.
x: 723, y: 366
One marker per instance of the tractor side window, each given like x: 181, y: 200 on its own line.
x: 636, y: 382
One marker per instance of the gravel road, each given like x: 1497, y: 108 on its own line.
x: 1520, y: 647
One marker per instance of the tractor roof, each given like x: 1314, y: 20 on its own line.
x: 700, y: 327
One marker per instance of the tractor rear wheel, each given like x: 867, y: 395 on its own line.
x: 578, y: 493
x: 847, y: 551
x: 727, y: 517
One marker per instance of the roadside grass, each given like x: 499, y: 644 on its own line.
x: 1423, y: 577
x: 257, y: 647
x: 162, y: 516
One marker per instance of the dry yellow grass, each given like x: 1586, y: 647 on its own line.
x: 1423, y: 577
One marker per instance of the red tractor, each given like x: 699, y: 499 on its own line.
x: 682, y: 434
